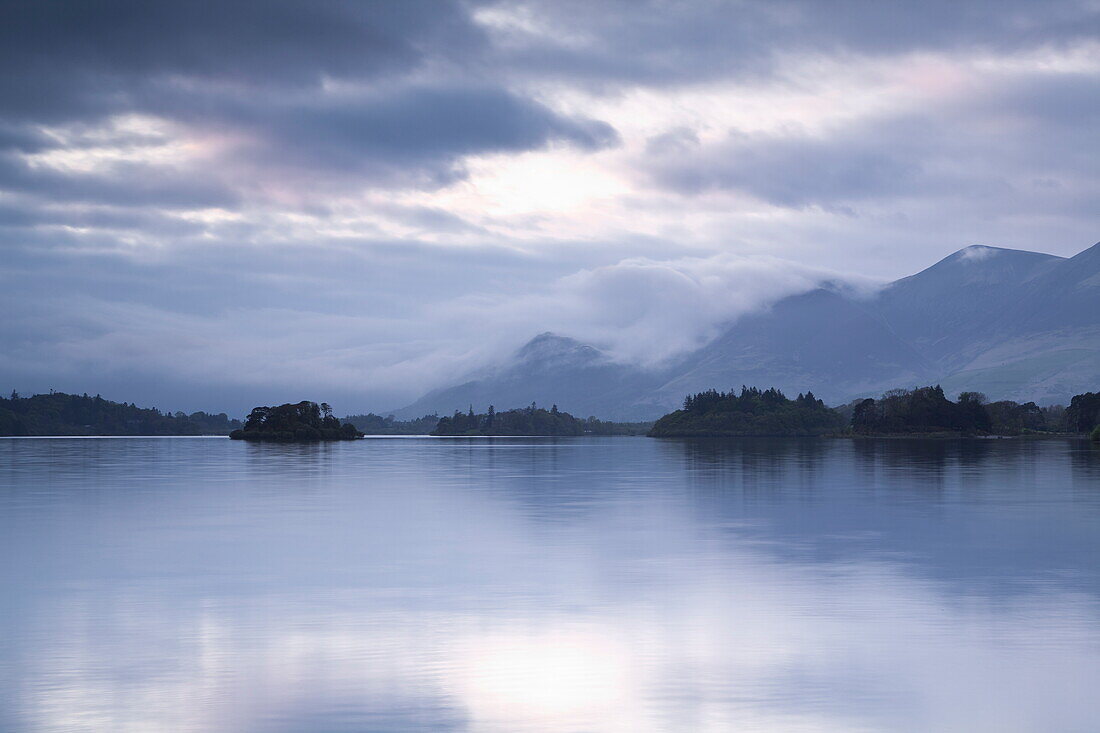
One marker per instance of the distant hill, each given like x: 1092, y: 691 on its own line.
x: 823, y: 337
x: 1015, y: 325
x: 551, y: 369
x: 58, y: 413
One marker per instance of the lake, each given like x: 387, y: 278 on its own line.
x: 588, y: 584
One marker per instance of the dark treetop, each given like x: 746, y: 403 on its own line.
x: 304, y: 422
x: 752, y: 412
x: 58, y: 413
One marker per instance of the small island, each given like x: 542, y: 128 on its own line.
x: 529, y: 421
x: 753, y: 412
x: 304, y: 422
x: 524, y: 421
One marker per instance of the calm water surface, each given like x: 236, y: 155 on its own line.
x: 602, y: 584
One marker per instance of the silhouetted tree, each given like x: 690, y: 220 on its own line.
x: 1083, y: 413
x: 299, y: 422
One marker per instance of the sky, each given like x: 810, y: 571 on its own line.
x: 212, y: 205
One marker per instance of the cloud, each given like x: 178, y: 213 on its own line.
x: 411, y: 136
x: 371, y: 328
x: 793, y: 171
x: 646, y: 311
x: 279, y: 96
x: 81, y: 59
x: 978, y: 253
x: 381, y: 196
x: 673, y: 43
x: 974, y: 150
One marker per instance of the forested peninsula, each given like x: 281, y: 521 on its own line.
x: 58, y: 413
x: 924, y: 411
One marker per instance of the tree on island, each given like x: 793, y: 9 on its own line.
x: 752, y: 412
x: 303, y: 422
x: 1083, y: 413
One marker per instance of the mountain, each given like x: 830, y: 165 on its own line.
x: 1043, y: 343
x: 957, y: 305
x: 823, y: 340
x: 548, y: 370
x: 1013, y: 324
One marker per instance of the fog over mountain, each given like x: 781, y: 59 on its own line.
x: 1014, y: 324
x: 210, y: 206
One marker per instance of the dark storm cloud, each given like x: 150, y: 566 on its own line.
x: 435, y: 122
x: 66, y: 59
x: 411, y: 135
x: 257, y: 70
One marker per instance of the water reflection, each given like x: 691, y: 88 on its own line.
x: 596, y: 584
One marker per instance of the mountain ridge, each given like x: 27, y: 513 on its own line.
x: 1016, y: 324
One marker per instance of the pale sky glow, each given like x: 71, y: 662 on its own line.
x: 383, y: 163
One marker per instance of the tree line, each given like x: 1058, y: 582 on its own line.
x: 58, y: 413
x: 373, y: 424
x: 751, y: 411
x: 920, y: 411
x: 928, y: 410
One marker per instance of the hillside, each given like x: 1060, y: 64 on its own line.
x: 552, y: 369
x: 1015, y: 325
